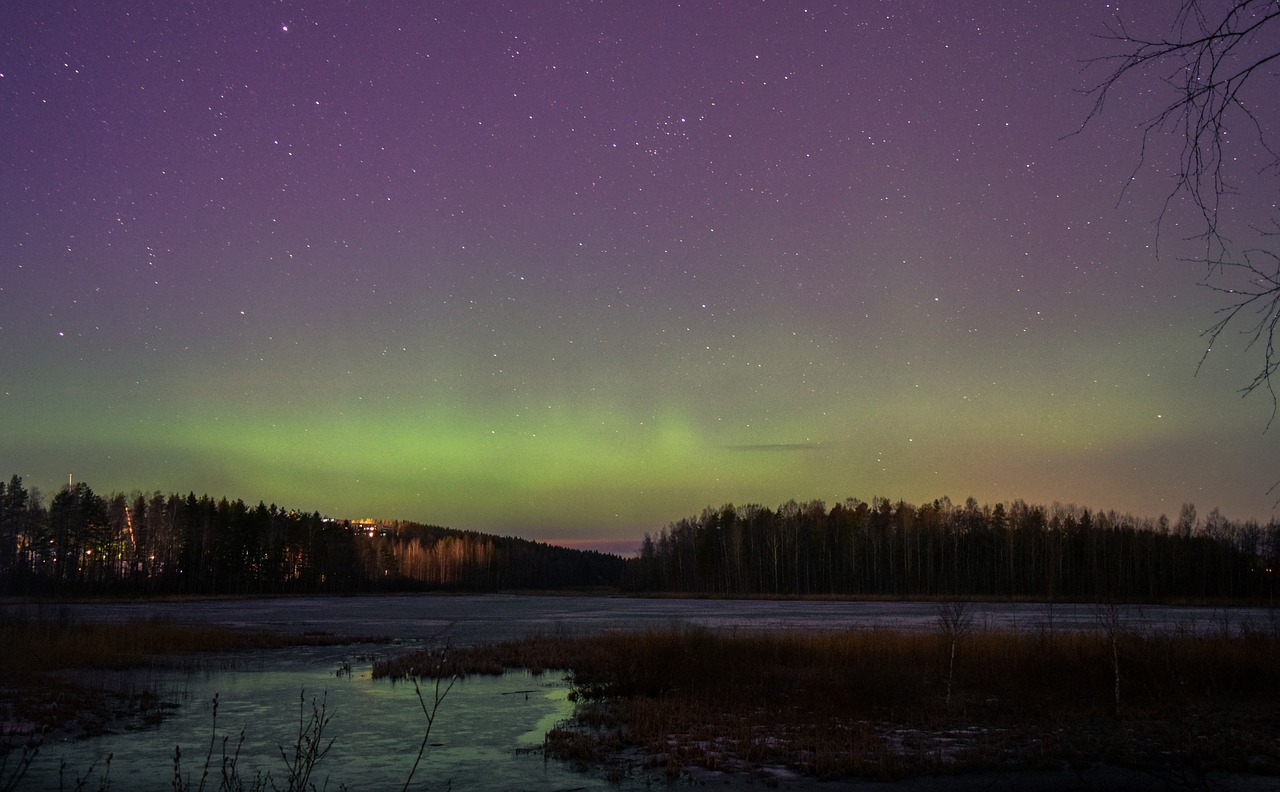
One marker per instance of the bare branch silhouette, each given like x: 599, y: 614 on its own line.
x: 1220, y: 64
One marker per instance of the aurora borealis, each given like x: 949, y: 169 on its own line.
x: 571, y: 270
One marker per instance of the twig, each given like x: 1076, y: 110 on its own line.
x: 430, y: 713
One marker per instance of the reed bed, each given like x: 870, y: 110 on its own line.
x: 124, y: 645
x: 49, y: 670
x: 536, y: 653
x: 886, y: 704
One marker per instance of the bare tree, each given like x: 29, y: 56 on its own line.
x: 954, y: 619
x: 1219, y: 63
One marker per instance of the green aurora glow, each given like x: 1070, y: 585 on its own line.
x: 530, y: 285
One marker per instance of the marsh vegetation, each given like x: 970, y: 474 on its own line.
x: 887, y: 704
x: 950, y: 688
x: 51, y: 672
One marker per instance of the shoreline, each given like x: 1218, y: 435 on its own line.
x: 1172, y: 602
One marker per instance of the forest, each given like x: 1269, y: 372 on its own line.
x: 883, y: 548
x: 84, y: 544
x: 80, y: 543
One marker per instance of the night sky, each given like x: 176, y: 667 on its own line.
x: 573, y: 270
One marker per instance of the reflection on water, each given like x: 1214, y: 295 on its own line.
x: 485, y: 722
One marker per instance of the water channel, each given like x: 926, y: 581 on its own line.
x: 489, y: 731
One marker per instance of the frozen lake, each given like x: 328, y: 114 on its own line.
x: 489, y: 730
x: 466, y: 619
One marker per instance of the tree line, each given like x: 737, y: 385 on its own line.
x: 82, y: 543
x: 897, y: 549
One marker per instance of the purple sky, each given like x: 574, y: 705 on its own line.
x: 573, y: 270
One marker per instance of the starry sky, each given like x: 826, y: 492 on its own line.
x: 571, y: 270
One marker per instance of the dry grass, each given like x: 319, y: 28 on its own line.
x: 885, y: 704
x: 535, y: 653
x: 42, y: 670
x: 47, y: 647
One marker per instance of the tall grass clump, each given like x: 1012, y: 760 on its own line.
x: 880, y: 703
x: 537, y: 653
